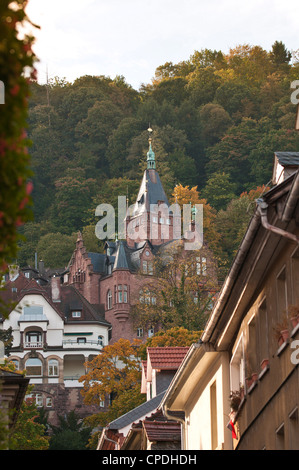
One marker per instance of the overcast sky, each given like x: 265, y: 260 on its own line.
x: 133, y: 37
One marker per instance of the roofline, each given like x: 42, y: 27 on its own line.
x: 246, y: 244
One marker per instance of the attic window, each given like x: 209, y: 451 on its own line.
x: 76, y: 314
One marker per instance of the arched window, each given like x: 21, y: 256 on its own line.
x: 109, y: 299
x: 53, y: 368
x: 34, y: 367
x: 101, y: 340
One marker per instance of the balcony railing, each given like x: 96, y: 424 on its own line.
x: 74, y: 342
x: 33, y: 344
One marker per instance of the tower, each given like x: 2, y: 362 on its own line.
x: 151, y: 217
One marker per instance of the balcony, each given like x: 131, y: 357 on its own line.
x: 33, y: 345
x: 82, y: 344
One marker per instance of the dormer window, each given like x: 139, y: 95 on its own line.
x: 76, y: 314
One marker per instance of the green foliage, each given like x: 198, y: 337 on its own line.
x: 71, y: 434
x: 16, y: 57
x: 217, y: 120
x: 55, y: 249
x: 28, y: 433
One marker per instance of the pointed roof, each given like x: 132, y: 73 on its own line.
x: 151, y: 160
x: 121, y: 261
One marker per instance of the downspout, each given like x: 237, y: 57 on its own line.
x: 175, y: 418
x: 262, y: 210
x: 292, y: 200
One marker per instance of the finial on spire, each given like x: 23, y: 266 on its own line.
x: 151, y: 162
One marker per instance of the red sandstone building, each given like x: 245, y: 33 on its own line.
x: 113, y: 279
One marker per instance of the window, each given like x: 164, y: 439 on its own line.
x: 33, y: 339
x: 150, y: 332
x: 81, y: 340
x: 294, y: 429
x: 282, y: 298
x: 201, y: 266
x: 53, y: 368
x: 109, y: 299
x: 76, y: 313
x: 263, y: 348
x: 101, y: 340
x: 150, y: 268
x: 27, y: 275
x: 120, y: 294
x: 125, y: 292
x: 237, y: 367
x: 37, y: 398
x: 144, y: 267
x: 16, y: 363
x: 280, y: 444
x: 139, y: 332
x: 49, y: 402
x: 213, y: 411
x: 34, y: 367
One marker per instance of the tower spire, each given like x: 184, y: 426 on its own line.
x: 151, y: 161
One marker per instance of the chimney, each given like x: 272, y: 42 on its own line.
x: 13, y: 272
x: 56, y: 289
x: 41, y: 266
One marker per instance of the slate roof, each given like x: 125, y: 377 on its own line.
x: 71, y: 299
x: 98, y: 261
x: 121, y: 261
x: 137, y: 413
x: 166, y: 358
x: 150, y: 192
x: 288, y: 158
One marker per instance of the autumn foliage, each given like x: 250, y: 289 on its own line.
x: 114, y: 374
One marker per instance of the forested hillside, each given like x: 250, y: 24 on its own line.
x: 217, y: 120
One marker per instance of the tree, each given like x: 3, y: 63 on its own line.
x: 233, y: 221
x: 215, y: 121
x: 176, y: 336
x: 55, y: 249
x: 73, y: 198
x: 71, y: 434
x: 27, y: 433
x: 231, y: 154
x: 219, y: 190
x: 190, y: 195
x: 17, y: 69
x: 115, y: 373
x: 279, y: 55
x: 181, y: 291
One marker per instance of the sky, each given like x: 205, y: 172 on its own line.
x: 133, y: 37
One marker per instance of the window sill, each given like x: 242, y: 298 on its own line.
x: 295, y: 330
x: 282, y: 348
x: 263, y: 372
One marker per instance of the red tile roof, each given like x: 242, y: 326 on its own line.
x: 167, y: 358
x: 159, y: 428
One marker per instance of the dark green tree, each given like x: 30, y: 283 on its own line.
x: 71, y: 434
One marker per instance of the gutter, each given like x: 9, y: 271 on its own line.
x: 232, y: 275
x: 292, y: 200
x: 104, y: 437
x: 259, y: 217
x: 262, y: 210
